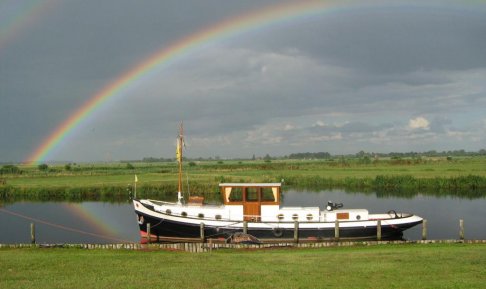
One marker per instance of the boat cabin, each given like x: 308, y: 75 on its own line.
x: 254, y: 197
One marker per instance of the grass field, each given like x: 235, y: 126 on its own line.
x: 385, y: 266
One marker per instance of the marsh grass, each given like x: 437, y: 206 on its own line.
x: 462, y: 177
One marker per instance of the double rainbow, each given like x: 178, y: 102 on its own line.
x: 16, y: 16
x: 177, y: 50
x: 289, y: 11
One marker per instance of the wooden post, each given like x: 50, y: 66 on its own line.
x: 296, y: 231
x: 210, y: 245
x: 461, y: 229
x: 32, y: 233
x: 424, y: 230
x: 148, y: 233
x: 245, y: 227
x: 378, y: 230
x: 336, y: 230
x: 201, y: 229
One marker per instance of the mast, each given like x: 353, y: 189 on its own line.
x: 180, y: 144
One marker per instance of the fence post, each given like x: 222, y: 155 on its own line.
x: 32, y: 233
x: 296, y: 231
x: 148, y: 234
x: 245, y: 227
x: 336, y: 230
x: 461, y: 229
x: 201, y: 229
x: 378, y: 230
x: 424, y: 229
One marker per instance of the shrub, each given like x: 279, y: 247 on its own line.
x: 43, y: 167
x: 10, y: 169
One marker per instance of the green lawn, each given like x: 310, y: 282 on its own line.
x: 383, y: 266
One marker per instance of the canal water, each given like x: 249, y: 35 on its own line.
x: 101, y: 222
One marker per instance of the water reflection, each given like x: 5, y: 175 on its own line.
x: 109, y: 222
x: 63, y: 222
x: 442, y: 213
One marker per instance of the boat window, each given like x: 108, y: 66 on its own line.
x: 267, y: 195
x: 251, y: 194
x: 236, y: 195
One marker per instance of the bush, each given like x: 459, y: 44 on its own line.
x: 43, y: 167
x: 10, y: 169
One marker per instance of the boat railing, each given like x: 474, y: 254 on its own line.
x: 160, y: 203
x: 389, y: 216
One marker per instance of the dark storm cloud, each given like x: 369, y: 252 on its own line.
x: 381, y: 76
x: 392, y: 38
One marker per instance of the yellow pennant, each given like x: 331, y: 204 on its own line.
x: 178, y: 151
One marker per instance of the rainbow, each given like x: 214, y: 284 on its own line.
x: 15, y: 16
x: 274, y: 14
x: 83, y: 212
x: 178, y: 49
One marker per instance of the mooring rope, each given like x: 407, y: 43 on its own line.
x: 62, y: 227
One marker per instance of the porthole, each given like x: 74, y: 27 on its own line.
x: 358, y: 217
x: 280, y: 216
x: 184, y: 214
x: 200, y: 215
x: 295, y: 217
x: 217, y: 217
x: 309, y: 217
x: 278, y: 232
x: 168, y: 211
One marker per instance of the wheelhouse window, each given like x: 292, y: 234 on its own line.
x: 252, y: 195
x: 236, y: 195
x: 241, y: 194
x: 268, y: 195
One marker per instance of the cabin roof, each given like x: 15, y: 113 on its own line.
x: 250, y: 185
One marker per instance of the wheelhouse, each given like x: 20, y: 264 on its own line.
x: 254, y: 198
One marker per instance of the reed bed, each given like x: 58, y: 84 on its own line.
x: 464, y: 177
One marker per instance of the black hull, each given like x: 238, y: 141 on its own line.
x: 162, y: 230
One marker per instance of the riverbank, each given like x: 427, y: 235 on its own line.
x: 382, y: 266
x: 465, y: 177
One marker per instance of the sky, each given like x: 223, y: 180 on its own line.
x: 377, y: 76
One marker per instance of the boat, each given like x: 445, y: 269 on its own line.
x: 254, y: 209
